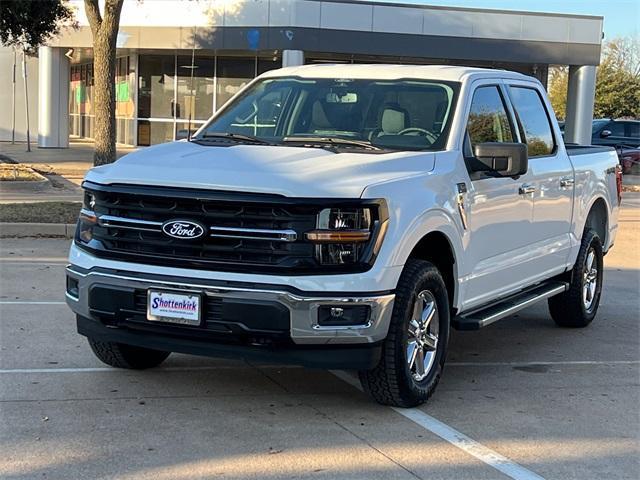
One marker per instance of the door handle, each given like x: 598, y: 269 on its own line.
x: 526, y: 189
x: 567, y: 182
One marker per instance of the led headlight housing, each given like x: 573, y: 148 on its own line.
x: 348, y: 235
x: 87, y: 219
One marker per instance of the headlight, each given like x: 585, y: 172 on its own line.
x: 87, y: 219
x: 86, y: 222
x: 342, y: 235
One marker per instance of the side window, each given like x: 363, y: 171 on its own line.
x: 488, y: 119
x: 616, y: 128
x: 534, y: 121
x: 633, y: 129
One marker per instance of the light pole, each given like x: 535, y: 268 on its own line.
x: 26, y: 96
x: 13, y: 98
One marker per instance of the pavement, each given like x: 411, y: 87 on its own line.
x: 72, y: 162
x: 521, y: 399
x: 64, y: 167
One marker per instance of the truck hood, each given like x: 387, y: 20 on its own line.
x: 288, y: 171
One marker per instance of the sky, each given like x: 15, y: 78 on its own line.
x: 621, y: 17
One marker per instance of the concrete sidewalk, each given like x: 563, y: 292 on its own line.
x: 71, y: 163
x: 64, y: 167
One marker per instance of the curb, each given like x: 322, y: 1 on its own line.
x: 25, y: 230
x: 30, y: 186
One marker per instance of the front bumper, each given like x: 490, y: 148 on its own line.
x: 298, y: 309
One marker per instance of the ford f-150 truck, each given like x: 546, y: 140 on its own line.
x: 345, y: 217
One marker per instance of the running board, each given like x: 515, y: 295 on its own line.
x: 478, y: 318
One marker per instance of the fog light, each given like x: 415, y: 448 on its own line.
x: 72, y: 287
x: 343, y: 315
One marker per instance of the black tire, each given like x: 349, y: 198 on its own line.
x: 120, y: 355
x: 569, y: 309
x: 392, y: 382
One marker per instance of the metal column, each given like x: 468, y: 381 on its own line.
x: 580, y: 97
x: 53, y: 98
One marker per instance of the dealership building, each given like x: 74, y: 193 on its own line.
x: 179, y: 61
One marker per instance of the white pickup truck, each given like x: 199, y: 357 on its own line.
x: 345, y: 216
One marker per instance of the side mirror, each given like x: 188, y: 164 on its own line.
x: 506, y: 159
x: 605, y: 133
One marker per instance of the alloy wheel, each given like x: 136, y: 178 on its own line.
x: 422, y: 338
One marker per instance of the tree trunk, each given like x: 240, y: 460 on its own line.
x: 104, y: 106
x: 104, y: 28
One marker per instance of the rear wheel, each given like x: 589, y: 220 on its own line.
x: 120, y: 355
x: 414, y: 351
x: 577, y: 306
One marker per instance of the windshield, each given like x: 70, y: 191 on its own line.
x: 393, y: 114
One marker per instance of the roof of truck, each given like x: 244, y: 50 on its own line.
x: 392, y: 72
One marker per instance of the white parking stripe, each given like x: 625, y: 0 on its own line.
x: 543, y: 364
x: 456, y: 438
x: 32, y: 260
x: 460, y: 440
x: 34, y: 264
x: 20, y: 302
x: 160, y: 370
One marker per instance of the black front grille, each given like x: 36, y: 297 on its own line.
x: 153, y: 246
x: 226, y: 320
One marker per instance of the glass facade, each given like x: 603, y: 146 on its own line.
x: 159, y: 96
x: 81, y: 114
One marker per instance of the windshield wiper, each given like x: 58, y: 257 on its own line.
x: 330, y: 141
x: 238, y: 137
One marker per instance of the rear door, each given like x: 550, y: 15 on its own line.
x: 499, y: 213
x: 632, y: 133
x: 552, y: 178
x: 618, y: 134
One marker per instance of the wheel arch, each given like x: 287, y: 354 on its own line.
x: 598, y: 219
x: 437, y: 248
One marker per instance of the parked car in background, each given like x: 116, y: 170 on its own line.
x: 629, y: 159
x: 615, y: 132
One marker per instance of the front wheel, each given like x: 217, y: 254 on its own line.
x: 577, y: 307
x: 120, y: 355
x: 413, y: 354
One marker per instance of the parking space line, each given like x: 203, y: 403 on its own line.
x: 32, y: 260
x: 159, y: 370
x: 455, y: 438
x: 34, y: 264
x: 543, y: 364
x: 20, y: 302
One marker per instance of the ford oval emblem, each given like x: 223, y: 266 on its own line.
x: 183, y: 229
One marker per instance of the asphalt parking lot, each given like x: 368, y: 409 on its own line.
x: 521, y: 399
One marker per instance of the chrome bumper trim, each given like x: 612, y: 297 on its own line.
x: 303, y: 309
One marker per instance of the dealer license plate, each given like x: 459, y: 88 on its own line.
x: 173, y: 307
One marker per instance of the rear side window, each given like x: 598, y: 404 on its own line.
x: 633, y: 129
x: 488, y: 120
x: 616, y: 129
x: 533, y: 120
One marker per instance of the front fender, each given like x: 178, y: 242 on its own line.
x: 419, y: 206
